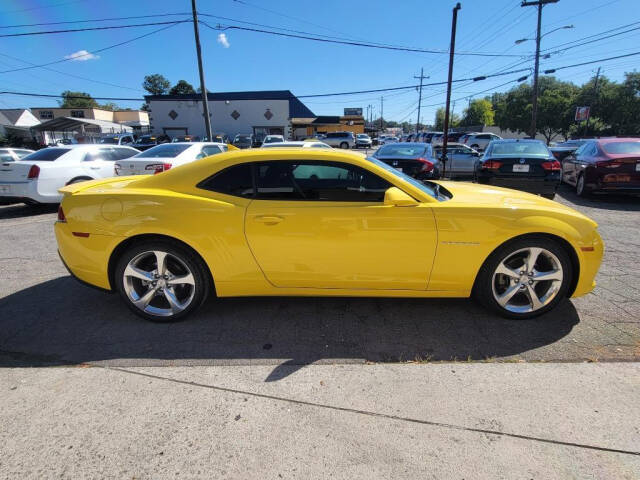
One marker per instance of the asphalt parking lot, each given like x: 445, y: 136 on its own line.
x: 47, y: 318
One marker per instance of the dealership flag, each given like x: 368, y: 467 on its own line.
x: 582, y: 113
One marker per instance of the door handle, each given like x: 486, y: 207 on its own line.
x: 94, y: 168
x: 268, y: 219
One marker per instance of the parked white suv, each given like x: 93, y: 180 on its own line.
x: 37, y: 177
x: 340, y: 139
x: 479, y: 141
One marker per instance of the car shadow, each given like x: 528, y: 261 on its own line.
x: 61, y: 322
x: 21, y: 210
x: 607, y: 201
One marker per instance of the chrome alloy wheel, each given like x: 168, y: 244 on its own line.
x: 159, y: 283
x: 527, y: 280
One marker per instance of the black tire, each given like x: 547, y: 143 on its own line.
x: 581, y: 188
x: 202, y: 279
x: 483, y: 287
x: 550, y: 196
x: 344, y: 145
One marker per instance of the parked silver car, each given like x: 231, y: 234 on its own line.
x: 11, y: 154
x: 479, y: 141
x: 340, y: 139
x: 461, y: 159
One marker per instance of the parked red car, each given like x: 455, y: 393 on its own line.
x: 604, y: 165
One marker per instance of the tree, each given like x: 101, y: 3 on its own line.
x: 439, y: 121
x: 77, y: 100
x: 110, y: 106
x: 156, y: 84
x: 479, y: 112
x: 182, y: 88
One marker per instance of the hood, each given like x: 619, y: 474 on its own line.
x: 490, y: 196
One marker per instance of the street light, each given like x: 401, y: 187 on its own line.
x: 564, y: 27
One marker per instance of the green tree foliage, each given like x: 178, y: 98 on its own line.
x: 454, y: 119
x: 182, y: 88
x: 156, y: 84
x: 479, y: 112
x: 77, y: 100
x: 614, y: 107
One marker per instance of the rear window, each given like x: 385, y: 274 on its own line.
x: 519, y: 148
x: 632, y: 148
x: 166, y: 150
x: 47, y: 154
x: 400, y: 150
x: 109, y: 140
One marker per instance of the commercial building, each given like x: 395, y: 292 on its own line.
x: 259, y: 113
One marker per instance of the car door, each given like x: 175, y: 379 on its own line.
x: 319, y: 224
x: 99, y: 163
x: 465, y: 160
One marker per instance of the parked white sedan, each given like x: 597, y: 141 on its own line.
x: 296, y: 145
x: 37, y: 177
x: 167, y: 155
x: 11, y: 154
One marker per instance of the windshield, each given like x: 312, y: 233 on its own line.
x: 166, y: 150
x: 146, y: 139
x: 510, y: 149
x: 242, y: 138
x: 416, y: 183
x: 402, y: 150
x: 47, y: 154
x: 109, y: 140
x: 632, y: 148
x: 273, y: 139
x: 363, y: 135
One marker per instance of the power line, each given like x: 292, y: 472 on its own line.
x: 92, y: 20
x: 484, y: 77
x: 353, y: 43
x: 28, y: 94
x: 94, y: 51
x: 111, y: 27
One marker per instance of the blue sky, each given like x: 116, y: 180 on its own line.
x: 255, y: 61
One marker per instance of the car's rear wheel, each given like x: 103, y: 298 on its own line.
x: 161, y: 281
x: 344, y: 145
x: 524, y: 278
x: 581, y: 188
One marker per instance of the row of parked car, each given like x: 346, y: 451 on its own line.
x: 590, y: 165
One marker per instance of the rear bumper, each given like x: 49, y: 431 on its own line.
x: 542, y: 186
x: 25, y: 192
x: 86, y: 258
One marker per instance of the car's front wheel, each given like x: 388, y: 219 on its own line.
x: 161, y: 281
x: 524, y: 278
x: 581, y: 188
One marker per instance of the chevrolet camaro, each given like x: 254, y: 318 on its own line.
x: 315, y: 222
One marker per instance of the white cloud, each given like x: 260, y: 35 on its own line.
x: 222, y: 40
x: 81, y: 56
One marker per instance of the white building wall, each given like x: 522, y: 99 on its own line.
x: 189, y: 116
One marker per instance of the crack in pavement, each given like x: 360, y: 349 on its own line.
x: 377, y: 414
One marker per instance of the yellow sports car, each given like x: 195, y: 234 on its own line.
x: 317, y: 222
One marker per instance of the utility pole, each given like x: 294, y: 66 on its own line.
x: 595, y: 98
x: 421, y: 77
x: 534, y: 101
x: 203, y: 88
x: 381, y: 111
x: 452, y: 48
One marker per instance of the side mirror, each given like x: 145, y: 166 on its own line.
x: 396, y: 197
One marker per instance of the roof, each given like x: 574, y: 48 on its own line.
x: 70, y: 123
x: 296, y: 107
x: 11, y: 114
x: 327, y: 119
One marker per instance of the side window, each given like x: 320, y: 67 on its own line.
x: 208, y: 150
x: 236, y: 180
x: 318, y: 181
x: 122, y: 153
